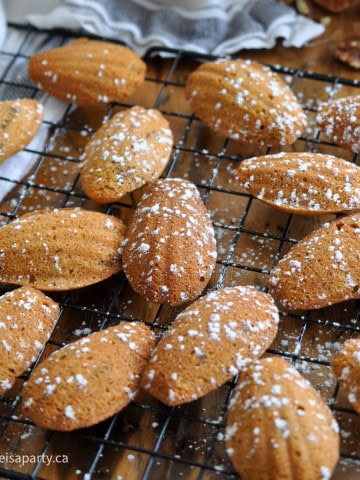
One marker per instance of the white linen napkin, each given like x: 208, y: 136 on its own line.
x: 16, y: 167
x: 2, y: 23
x: 219, y: 27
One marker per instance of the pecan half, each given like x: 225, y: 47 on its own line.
x: 348, y: 52
x: 334, y: 6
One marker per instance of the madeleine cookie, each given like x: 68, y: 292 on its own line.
x: 88, y: 380
x: 245, y: 101
x: 88, y: 72
x: 346, y: 365
x: 210, y: 342
x: 340, y: 122
x: 60, y: 249
x: 303, y: 183
x: 128, y: 151
x: 19, y: 122
x: 27, y: 318
x: 279, y: 427
x: 320, y: 270
x: 170, y: 249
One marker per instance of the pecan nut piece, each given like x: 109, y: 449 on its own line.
x: 348, y: 52
x: 334, y: 6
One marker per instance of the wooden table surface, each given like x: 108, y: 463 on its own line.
x: 317, y: 56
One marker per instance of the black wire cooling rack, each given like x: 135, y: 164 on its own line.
x: 148, y: 440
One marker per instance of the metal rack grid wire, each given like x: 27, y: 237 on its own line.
x: 148, y: 440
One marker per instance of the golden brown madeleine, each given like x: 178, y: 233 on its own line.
x: 245, y: 101
x: 340, y: 122
x: 128, y: 151
x: 210, y: 342
x: 279, y: 427
x: 88, y: 72
x: 170, y: 249
x: 320, y: 270
x: 27, y: 318
x: 20, y: 120
x: 346, y: 365
x: 60, y: 249
x: 303, y: 183
x: 88, y: 380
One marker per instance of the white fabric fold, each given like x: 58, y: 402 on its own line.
x: 219, y: 27
x: 16, y: 167
x: 2, y: 23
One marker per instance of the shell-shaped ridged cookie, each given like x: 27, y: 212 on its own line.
x: 278, y: 427
x: 170, y: 249
x: 245, y: 101
x: 20, y: 120
x: 303, y: 183
x: 346, y: 365
x: 210, y: 342
x: 88, y: 72
x: 27, y: 318
x: 320, y: 270
x: 340, y: 122
x: 128, y: 151
x: 60, y: 249
x: 88, y: 380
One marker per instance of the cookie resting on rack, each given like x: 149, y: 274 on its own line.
x: 27, y: 318
x: 88, y: 72
x: 128, y: 151
x: 60, y: 249
x: 339, y: 121
x: 169, y: 250
x: 278, y: 426
x: 88, y: 380
x: 346, y: 365
x: 246, y: 102
x: 20, y: 120
x: 209, y: 342
x: 302, y: 183
x: 321, y: 269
